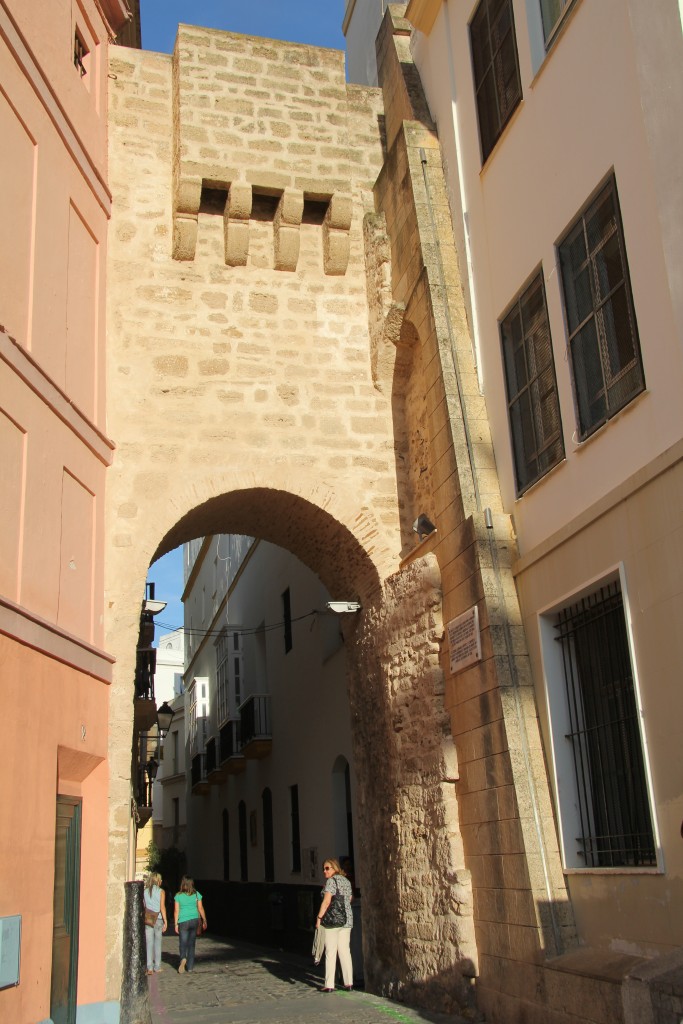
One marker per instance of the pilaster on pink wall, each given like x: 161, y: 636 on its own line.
x: 64, y: 713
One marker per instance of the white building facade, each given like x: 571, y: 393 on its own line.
x: 268, y: 736
x: 168, y: 791
x: 558, y: 125
x: 566, y: 188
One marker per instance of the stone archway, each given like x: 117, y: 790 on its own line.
x: 404, y: 757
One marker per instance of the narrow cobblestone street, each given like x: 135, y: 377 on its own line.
x: 237, y: 982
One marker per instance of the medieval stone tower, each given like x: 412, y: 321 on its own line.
x: 289, y: 358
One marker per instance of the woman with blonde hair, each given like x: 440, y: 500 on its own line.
x: 155, y: 920
x: 187, y: 913
x: 337, y: 936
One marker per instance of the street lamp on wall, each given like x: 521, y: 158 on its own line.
x: 164, y: 718
x: 423, y: 526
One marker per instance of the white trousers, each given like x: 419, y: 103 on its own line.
x: 338, y: 942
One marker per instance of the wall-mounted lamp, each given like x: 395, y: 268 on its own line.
x: 423, y: 526
x: 164, y: 718
x: 342, y: 607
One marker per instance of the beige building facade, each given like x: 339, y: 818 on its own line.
x: 269, y: 752
x: 567, y: 202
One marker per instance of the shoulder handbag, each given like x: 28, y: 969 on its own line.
x: 151, y: 917
x: 335, y: 915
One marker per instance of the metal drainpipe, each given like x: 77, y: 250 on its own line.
x: 488, y: 518
x: 449, y: 325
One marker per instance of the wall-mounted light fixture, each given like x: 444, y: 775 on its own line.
x: 164, y: 718
x: 423, y: 526
x: 342, y: 607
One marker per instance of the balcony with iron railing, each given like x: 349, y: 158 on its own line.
x: 144, y: 774
x: 231, y: 757
x: 215, y: 772
x: 145, y: 709
x: 200, y: 783
x: 255, y: 727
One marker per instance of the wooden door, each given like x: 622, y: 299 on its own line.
x: 66, y: 909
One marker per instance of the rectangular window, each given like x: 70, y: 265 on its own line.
x: 287, y: 615
x: 237, y: 670
x: 222, y: 678
x: 244, y: 853
x: 81, y: 54
x: 613, y: 825
x: 603, y: 334
x: 533, y: 405
x: 552, y: 12
x: 294, y: 824
x: 176, y: 820
x: 496, y: 69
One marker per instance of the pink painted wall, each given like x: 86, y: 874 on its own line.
x: 42, y: 754
x: 54, y: 674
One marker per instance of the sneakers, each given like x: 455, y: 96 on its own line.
x: 181, y: 968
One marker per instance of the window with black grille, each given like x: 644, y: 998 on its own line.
x: 294, y: 827
x: 268, y: 836
x: 496, y: 69
x: 603, y: 335
x: 614, y: 810
x: 287, y: 616
x: 533, y: 405
x: 226, y: 845
x: 244, y: 855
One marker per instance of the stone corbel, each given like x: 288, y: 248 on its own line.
x: 287, y: 234
x: 387, y: 348
x: 236, y: 223
x: 187, y: 199
x: 336, y: 239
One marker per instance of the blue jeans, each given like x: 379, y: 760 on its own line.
x: 187, y: 934
x: 153, y: 943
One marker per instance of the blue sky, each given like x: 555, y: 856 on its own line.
x: 317, y: 22
x: 167, y: 576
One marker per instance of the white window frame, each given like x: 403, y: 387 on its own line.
x: 564, y: 779
x: 539, y: 45
x: 222, y: 679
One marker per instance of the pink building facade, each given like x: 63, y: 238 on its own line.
x: 54, y: 671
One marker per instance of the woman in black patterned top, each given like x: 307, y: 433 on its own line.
x: 337, y: 940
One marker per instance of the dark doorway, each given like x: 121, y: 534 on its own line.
x: 66, y: 909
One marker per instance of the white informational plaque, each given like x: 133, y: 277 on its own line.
x: 10, y: 943
x: 464, y: 639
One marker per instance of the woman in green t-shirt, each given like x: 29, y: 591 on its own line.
x: 188, y: 910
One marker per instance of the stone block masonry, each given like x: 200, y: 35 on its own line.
x: 273, y: 117
x: 289, y: 358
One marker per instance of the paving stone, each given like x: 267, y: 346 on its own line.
x: 245, y: 984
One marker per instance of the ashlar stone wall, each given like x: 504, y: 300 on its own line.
x: 244, y: 397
